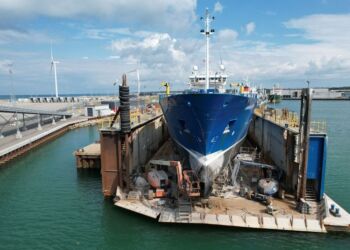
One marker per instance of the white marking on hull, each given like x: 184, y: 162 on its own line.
x: 213, y: 162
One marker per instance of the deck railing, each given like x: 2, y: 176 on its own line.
x: 290, y: 119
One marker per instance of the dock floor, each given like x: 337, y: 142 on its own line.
x: 241, y: 213
x: 230, y: 209
x: 242, y: 217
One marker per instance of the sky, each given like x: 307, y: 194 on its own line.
x: 95, y: 41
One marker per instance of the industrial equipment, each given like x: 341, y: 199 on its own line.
x: 157, y: 178
x: 159, y: 181
x: 187, y: 180
x: 265, y: 199
x: 268, y: 186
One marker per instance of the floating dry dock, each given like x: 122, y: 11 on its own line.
x: 243, y: 216
x: 278, y: 142
x: 228, y: 208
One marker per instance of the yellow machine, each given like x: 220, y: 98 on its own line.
x: 242, y: 88
x: 235, y: 84
x: 167, y: 87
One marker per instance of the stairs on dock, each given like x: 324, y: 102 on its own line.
x: 310, y: 194
x: 311, y: 198
x: 184, y: 211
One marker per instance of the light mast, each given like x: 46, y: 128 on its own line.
x: 207, y: 32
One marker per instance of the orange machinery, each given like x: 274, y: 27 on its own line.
x: 187, y: 180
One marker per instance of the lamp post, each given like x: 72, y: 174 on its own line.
x: 12, y: 96
x: 115, y: 95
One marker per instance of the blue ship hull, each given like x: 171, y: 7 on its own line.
x: 207, y: 123
x: 209, y: 126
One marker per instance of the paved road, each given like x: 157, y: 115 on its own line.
x: 11, y: 140
x: 31, y: 121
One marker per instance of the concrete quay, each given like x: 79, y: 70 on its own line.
x: 12, y: 146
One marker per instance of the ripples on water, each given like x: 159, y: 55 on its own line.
x: 45, y: 203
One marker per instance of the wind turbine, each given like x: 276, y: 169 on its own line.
x: 138, y: 78
x: 9, y: 66
x: 53, y: 65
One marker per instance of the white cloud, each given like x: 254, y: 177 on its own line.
x: 323, y: 27
x: 113, y: 57
x: 227, y: 35
x: 250, y: 27
x: 8, y: 35
x: 218, y: 7
x: 5, y: 65
x: 324, y: 58
x: 174, y: 15
x: 104, y: 34
x: 160, y: 56
x: 155, y: 48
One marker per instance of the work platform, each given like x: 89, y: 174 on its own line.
x: 228, y: 208
x: 89, y: 156
x: 240, y: 216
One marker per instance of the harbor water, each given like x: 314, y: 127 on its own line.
x: 45, y: 203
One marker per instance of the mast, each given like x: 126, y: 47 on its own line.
x: 55, y: 72
x: 53, y: 65
x: 207, y: 32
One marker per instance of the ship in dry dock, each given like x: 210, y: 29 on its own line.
x: 208, y: 121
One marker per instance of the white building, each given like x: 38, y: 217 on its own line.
x: 96, y: 111
x: 317, y: 94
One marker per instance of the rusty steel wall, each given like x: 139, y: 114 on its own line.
x: 109, y: 161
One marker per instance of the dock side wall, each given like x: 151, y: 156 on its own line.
x: 144, y: 141
x: 277, y: 145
